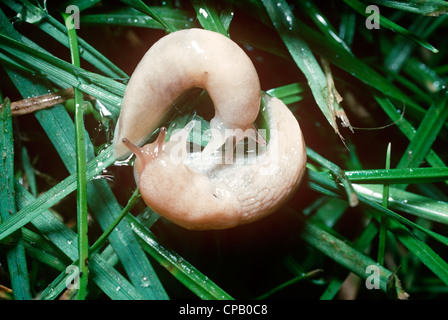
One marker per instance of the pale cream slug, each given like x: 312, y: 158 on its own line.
x: 184, y: 60
x: 193, y: 189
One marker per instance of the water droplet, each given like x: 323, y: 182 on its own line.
x: 145, y: 282
x: 203, y: 12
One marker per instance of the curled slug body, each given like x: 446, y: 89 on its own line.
x: 184, y: 60
x: 194, y: 190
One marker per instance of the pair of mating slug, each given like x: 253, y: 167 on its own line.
x: 212, y: 195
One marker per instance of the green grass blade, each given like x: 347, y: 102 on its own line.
x: 38, y: 16
x: 347, y: 27
x: 383, y: 220
x: 81, y: 4
x: 142, y: 7
x: 58, y: 284
x: 397, y: 225
x: 384, y: 22
x: 285, y: 24
x: 343, y: 253
x: 408, y: 130
x: 397, y: 176
x: 398, y: 54
x: 208, y: 16
x: 65, y: 239
x: 426, y: 134
x: 418, y: 247
x: 361, y: 244
x: 289, y: 93
x: 29, y: 171
x: 337, y: 55
x: 134, y: 18
x: 412, y: 203
x: 288, y: 283
x: 193, y: 279
x: 424, y: 76
x: 53, y: 196
x: 428, y: 7
x: 106, y: 90
x: 339, y: 175
x: 15, y: 254
x: 81, y: 181
x: 43, y: 250
x: 102, y: 239
x: 322, y: 22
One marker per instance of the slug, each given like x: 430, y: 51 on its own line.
x: 193, y: 189
x: 184, y: 60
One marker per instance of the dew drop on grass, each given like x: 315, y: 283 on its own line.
x: 145, y: 282
x: 203, y: 13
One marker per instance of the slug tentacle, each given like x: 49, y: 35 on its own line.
x: 197, y: 190
x: 135, y: 149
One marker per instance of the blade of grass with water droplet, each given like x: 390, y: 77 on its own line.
x: 424, y: 76
x: 133, y: 18
x: 208, y: 16
x: 187, y: 274
x: 396, y: 176
x: 408, y: 202
x: 142, y: 7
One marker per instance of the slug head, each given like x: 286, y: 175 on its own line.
x: 147, y: 153
x: 172, y: 152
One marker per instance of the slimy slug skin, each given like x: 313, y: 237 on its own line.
x: 193, y: 189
